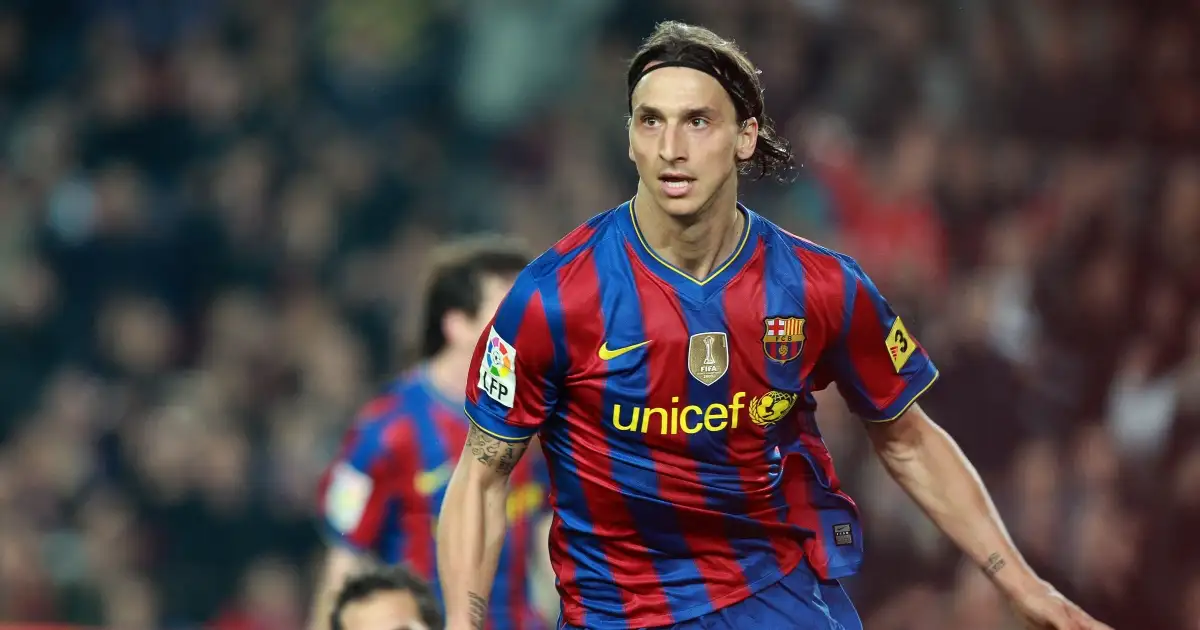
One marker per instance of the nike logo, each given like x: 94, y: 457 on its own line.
x: 609, y: 355
x: 430, y: 481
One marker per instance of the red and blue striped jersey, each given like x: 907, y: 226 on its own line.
x: 677, y: 415
x: 382, y: 494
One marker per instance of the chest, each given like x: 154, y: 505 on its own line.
x: 653, y: 363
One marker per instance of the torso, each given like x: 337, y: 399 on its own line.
x: 674, y: 449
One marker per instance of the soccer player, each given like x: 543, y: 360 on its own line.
x: 380, y: 497
x: 386, y: 599
x: 666, y: 353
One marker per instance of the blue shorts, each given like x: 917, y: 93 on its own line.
x: 800, y: 601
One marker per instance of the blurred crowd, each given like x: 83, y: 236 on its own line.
x: 214, y: 215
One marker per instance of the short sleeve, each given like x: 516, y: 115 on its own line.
x: 356, y: 489
x: 878, y: 366
x: 512, y: 384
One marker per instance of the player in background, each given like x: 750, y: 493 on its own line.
x: 379, y: 499
x: 666, y: 353
x: 386, y: 599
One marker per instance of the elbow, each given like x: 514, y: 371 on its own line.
x: 472, y: 483
x: 474, y: 477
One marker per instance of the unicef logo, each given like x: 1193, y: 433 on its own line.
x: 498, y: 361
x: 770, y: 407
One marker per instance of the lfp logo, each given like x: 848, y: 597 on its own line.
x: 498, y: 360
x: 496, y: 376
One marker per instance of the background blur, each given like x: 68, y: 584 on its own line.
x: 213, y: 212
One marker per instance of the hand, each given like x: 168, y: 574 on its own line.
x: 1047, y: 609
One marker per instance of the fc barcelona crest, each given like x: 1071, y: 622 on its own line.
x: 783, y: 338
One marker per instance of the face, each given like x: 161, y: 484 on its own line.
x: 388, y: 610
x: 492, y: 292
x: 465, y: 331
x: 686, y: 140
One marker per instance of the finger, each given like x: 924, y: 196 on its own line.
x: 1084, y: 621
x: 1068, y: 617
x: 1059, y: 618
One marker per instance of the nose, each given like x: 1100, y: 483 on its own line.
x: 672, y: 144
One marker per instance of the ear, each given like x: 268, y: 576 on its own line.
x: 747, y: 139
x: 456, y: 328
x: 629, y: 137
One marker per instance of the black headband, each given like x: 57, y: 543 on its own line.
x: 636, y: 77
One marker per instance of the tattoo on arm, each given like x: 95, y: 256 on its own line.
x: 994, y: 564
x: 496, y: 454
x: 478, y: 611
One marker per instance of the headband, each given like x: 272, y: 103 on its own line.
x: 635, y: 78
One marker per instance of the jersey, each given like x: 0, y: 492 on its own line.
x: 677, y: 415
x: 382, y: 494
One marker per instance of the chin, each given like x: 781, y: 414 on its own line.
x: 680, y: 207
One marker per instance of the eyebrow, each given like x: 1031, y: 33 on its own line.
x: 694, y: 112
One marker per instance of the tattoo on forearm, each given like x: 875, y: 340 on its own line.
x: 994, y: 564
x: 478, y: 611
x: 494, y: 453
x: 508, y: 459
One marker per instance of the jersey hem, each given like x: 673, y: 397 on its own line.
x: 492, y: 432
x: 658, y: 622
x: 932, y: 378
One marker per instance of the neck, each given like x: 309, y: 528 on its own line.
x: 697, y: 243
x: 447, y: 371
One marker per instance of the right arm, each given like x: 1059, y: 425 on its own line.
x: 472, y: 525
x: 511, y: 390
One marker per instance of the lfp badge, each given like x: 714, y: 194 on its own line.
x: 499, y: 363
x: 497, y: 377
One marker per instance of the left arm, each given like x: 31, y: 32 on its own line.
x: 930, y: 467
x: 881, y: 370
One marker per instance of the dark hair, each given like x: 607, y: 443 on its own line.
x: 457, y: 280
x: 383, y: 580
x: 696, y: 47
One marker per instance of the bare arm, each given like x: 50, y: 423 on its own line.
x: 471, y: 526
x: 340, y: 564
x: 928, y: 464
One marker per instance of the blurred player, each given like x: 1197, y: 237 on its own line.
x: 667, y: 352
x: 380, y: 497
x: 386, y: 599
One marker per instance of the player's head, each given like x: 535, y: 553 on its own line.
x: 390, y: 598
x: 697, y: 119
x: 470, y: 277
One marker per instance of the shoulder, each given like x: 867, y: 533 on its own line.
x: 574, y: 247
x: 538, y: 286
x: 381, y: 423
x: 814, y: 268
x: 809, y: 253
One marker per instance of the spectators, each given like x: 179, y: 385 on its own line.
x: 212, y: 215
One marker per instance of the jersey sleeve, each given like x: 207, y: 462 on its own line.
x: 356, y: 489
x: 513, y: 381
x: 878, y: 366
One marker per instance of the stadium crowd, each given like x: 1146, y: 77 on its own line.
x: 214, y: 217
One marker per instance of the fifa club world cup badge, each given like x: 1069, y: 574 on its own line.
x: 708, y: 356
x: 783, y: 338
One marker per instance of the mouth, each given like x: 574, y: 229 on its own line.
x: 675, y: 185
